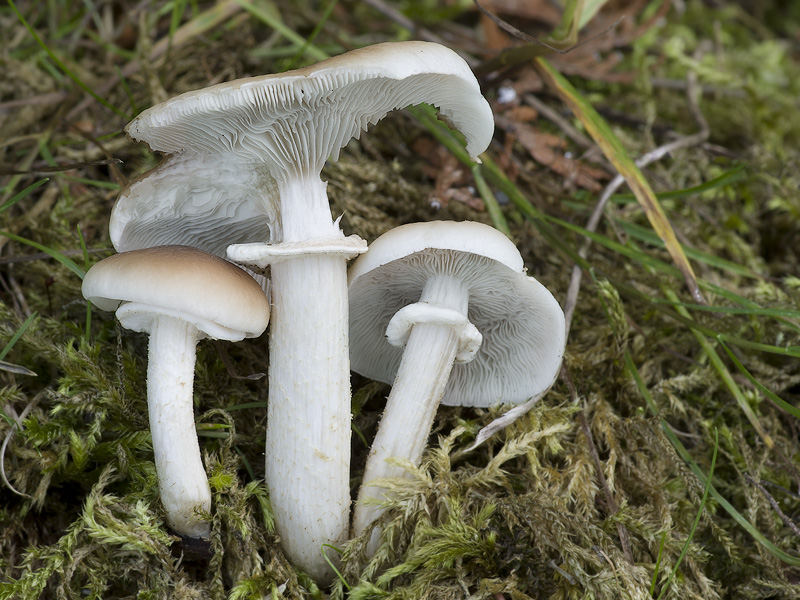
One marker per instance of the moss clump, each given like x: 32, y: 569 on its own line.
x: 594, y: 493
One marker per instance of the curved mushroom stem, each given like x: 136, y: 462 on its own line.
x: 182, y: 479
x: 411, y: 406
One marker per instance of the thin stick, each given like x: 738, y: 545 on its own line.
x: 562, y: 123
x: 9, y: 435
x: 786, y: 520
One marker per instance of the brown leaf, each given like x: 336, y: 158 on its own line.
x: 522, y: 114
x: 451, y: 180
x: 548, y: 150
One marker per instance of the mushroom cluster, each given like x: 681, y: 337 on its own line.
x: 433, y: 308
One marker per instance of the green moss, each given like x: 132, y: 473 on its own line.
x: 547, y: 508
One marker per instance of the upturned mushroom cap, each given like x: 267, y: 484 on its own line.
x: 217, y: 297
x: 279, y: 127
x: 521, y: 322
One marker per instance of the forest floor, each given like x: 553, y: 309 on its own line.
x: 665, y: 461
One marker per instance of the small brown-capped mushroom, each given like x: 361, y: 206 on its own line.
x: 178, y: 295
x: 445, y: 312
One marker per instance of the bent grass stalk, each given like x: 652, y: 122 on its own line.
x: 725, y: 375
x: 685, y: 548
x: 615, y: 152
x: 780, y: 402
x: 17, y: 335
x: 22, y: 194
x: 64, y: 260
x: 336, y: 571
x: 687, y: 458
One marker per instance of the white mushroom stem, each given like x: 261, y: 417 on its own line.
x: 308, y: 424
x: 182, y: 479
x: 418, y: 388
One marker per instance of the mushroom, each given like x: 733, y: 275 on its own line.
x: 445, y: 312
x: 178, y: 295
x: 277, y: 131
x: 198, y: 200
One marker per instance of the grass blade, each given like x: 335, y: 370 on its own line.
x: 64, y: 68
x: 314, y: 33
x: 729, y: 338
x: 67, y: 262
x: 659, y: 305
x: 794, y: 411
x: 18, y: 334
x: 660, y: 266
x: 684, y: 454
x: 613, y: 150
x: 654, y: 579
x: 271, y: 17
x: 248, y: 467
x: 16, y: 369
x: 737, y: 310
x: 727, y: 178
x: 22, y: 194
x: 696, y: 519
x: 725, y: 375
x: 649, y: 237
x: 450, y: 140
x: 492, y: 206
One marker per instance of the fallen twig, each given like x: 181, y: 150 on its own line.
x: 17, y: 424
x: 774, y: 504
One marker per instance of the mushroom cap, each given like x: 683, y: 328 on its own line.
x: 218, y: 297
x: 196, y: 200
x: 230, y: 144
x: 296, y: 120
x: 521, y: 322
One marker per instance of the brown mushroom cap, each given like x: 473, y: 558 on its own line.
x: 218, y: 297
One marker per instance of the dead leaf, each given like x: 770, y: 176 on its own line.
x: 522, y: 114
x: 451, y: 180
x: 548, y: 150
